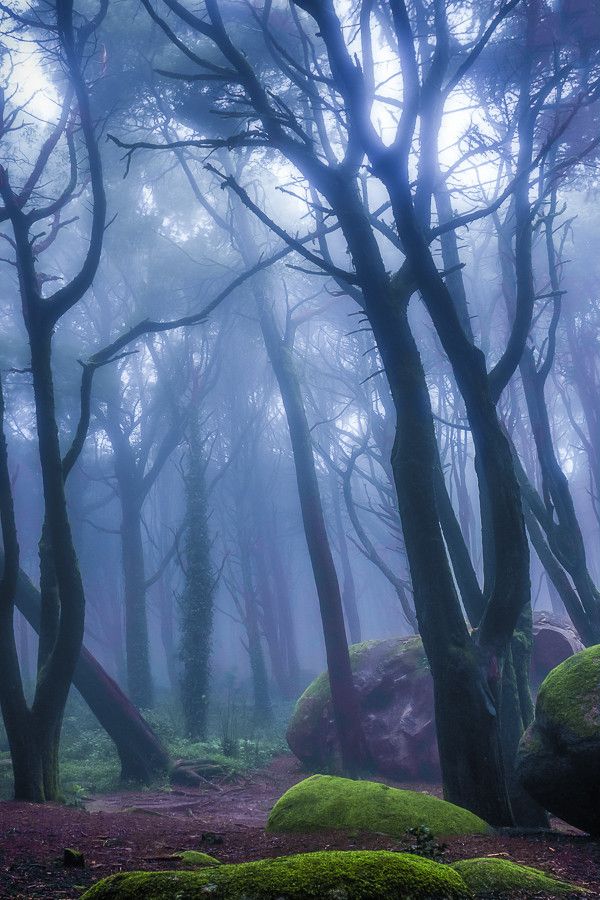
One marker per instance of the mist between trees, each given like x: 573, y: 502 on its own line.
x: 300, y: 307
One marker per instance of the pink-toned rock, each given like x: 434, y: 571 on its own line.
x: 554, y: 640
x: 395, y: 692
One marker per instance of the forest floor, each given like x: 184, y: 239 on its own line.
x: 142, y: 830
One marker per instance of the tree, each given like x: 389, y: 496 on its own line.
x: 318, y: 119
x: 34, y: 732
x: 196, y: 603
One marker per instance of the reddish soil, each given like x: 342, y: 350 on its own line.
x: 141, y: 831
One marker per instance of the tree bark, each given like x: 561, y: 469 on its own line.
x: 350, y: 733
x: 143, y: 757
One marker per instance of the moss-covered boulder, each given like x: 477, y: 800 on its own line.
x: 559, y: 756
x: 329, y: 875
x: 324, y: 802
x: 502, y: 878
x: 395, y: 691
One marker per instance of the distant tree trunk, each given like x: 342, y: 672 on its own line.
x: 369, y: 547
x: 139, y: 673
x: 353, y: 746
x: 555, y: 510
x: 197, y: 598
x: 287, y: 629
x: 349, y: 587
x: 167, y: 635
x: 263, y: 710
x: 270, y: 619
x: 140, y: 684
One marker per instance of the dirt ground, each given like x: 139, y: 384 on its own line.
x: 142, y: 830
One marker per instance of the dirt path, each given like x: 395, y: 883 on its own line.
x: 246, y: 802
x: 143, y: 829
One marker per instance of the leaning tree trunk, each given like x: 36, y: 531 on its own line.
x: 143, y: 758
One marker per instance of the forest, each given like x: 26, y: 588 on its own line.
x: 299, y: 449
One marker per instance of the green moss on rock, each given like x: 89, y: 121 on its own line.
x: 323, y: 802
x: 196, y: 858
x: 328, y: 875
x: 502, y: 878
x: 319, y: 690
x: 569, y: 694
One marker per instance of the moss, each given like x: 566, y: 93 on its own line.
x: 196, y: 858
x: 501, y: 878
x: 319, y: 690
x: 325, y: 802
x: 569, y: 694
x: 338, y: 875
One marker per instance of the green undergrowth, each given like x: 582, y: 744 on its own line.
x: 326, y: 875
x: 501, y: 878
x: 89, y: 762
x: 324, y: 802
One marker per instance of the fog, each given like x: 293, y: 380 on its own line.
x: 300, y: 308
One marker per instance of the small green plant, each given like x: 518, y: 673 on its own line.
x: 424, y: 843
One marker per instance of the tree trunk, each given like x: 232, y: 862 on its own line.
x: 139, y: 673
x: 263, y: 710
x: 143, y: 757
x: 349, y: 587
x: 54, y: 679
x: 196, y: 604
x: 346, y: 709
x: 466, y: 676
x: 270, y: 619
x: 287, y: 624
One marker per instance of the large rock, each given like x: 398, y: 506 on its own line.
x: 559, y: 756
x: 395, y: 692
x: 324, y: 802
x: 554, y: 640
x: 328, y: 875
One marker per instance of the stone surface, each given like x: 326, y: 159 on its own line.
x: 554, y: 640
x: 559, y: 756
x: 395, y: 692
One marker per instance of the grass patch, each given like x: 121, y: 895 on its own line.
x: 89, y: 762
